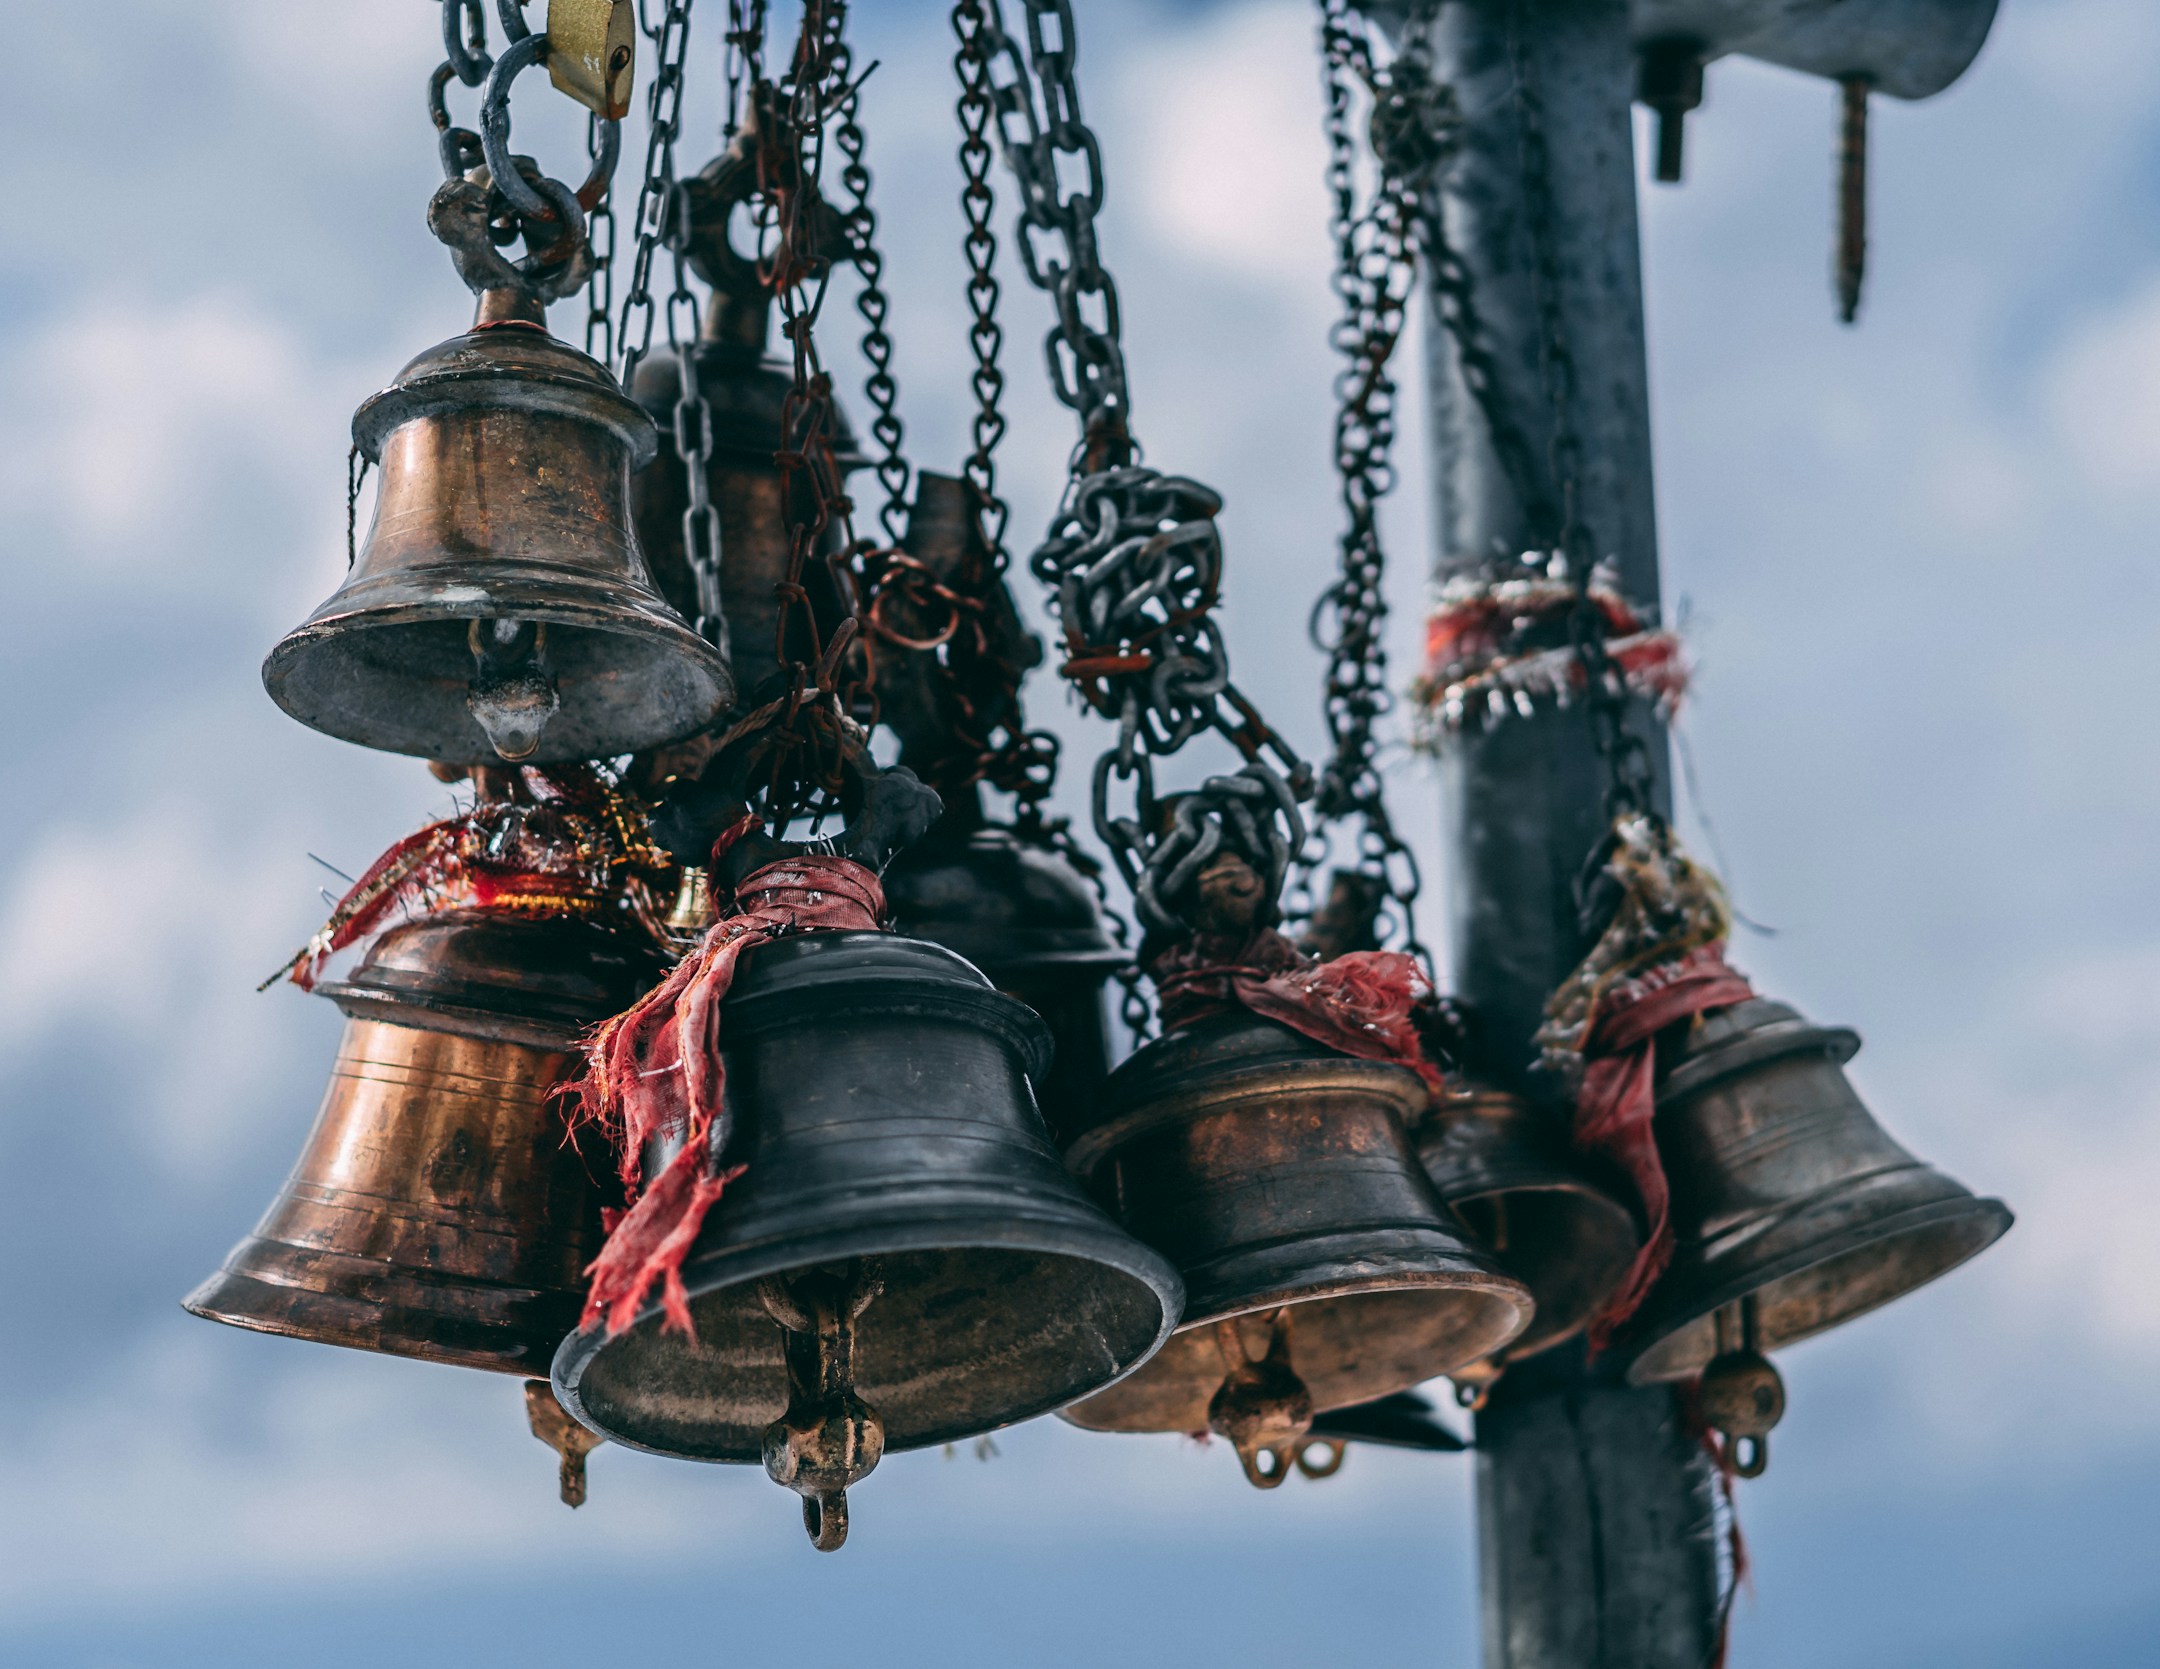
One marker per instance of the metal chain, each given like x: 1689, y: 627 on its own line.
x: 879, y: 386
x: 1628, y: 775
x: 657, y: 203
x: 1375, y: 273
x: 1087, y: 364
x: 1133, y: 558
x: 600, y: 287
x: 976, y: 110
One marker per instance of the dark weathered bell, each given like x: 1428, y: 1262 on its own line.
x: 1023, y: 915
x: 438, y: 1209
x: 1278, y: 1176
x: 1790, y: 1202
x: 903, y: 1262
x: 1503, y: 1168
x: 501, y: 606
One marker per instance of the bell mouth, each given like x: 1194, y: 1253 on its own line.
x: 397, y: 676
x: 326, y: 1297
x: 977, y: 1327
x: 1571, y: 1246
x: 1821, y: 1283
x: 1348, y: 1344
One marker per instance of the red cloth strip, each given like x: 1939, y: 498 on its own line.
x: 1616, y: 1103
x: 656, y: 1069
x: 1358, y: 1003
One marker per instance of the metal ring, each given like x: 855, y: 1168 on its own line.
x: 495, y: 128
x: 511, y: 14
x: 467, y: 52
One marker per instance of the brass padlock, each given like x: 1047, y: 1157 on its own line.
x: 592, y: 53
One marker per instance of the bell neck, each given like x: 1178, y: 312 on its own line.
x: 738, y: 324
x: 509, y: 305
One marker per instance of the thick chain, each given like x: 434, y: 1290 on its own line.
x: 1133, y: 558
x: 1087, y: 364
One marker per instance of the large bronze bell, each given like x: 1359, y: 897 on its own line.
x: 1794, y: 1211
x: 1320, y: 1268
x: 904, y: 1260
x: 439, y: 1209
x: 1022, y: 914
x: 501, y: 606
x: 1503, y: 1167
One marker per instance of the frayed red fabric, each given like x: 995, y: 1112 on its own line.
x: 1616, y: 1103
x: 656, y: 1069
x: 1358, y: 1003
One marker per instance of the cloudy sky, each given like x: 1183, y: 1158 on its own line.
x: 1918, y: 563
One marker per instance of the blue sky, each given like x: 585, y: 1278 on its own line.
x: 1917, y: 559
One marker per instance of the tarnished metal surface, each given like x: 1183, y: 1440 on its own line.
x: 1504, y: 1167
x: 744, y: 393
x: 505, y: 496
x: 1786, y: 1192
x: 1277, y: 1175
x: 1028, y: 920
x: 1910, y: 48
x: 438, y: 1210
x: 592, y: 53
x: 881, y: 1102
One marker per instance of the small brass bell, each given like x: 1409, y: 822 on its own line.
x: 501, y: 606
x: 903, y: 1263
x: 1023, y: 915
x: 1278, y: 1176
x: 438, y: 1210
x: 1503, y: 1169
x: 1786, y: 1193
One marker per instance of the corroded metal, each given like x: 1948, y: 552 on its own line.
x: 439, y: 1209
x: 501, y: 565
x: 1504, y: 1168
x: 1279, y: 1177
x: 1786, y: 1192
x: 879, y: 1089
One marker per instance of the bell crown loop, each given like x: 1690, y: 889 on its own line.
x: 512, y: 366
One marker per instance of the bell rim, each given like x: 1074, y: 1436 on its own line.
x: 213, y: 1297
x: 320, y: 629
x: 384, y: 1007
x: 1761, y: 1045
x: 1233, y: 1087
x: 1105, y: 1245
x: 581, y: 388
x: 1493, y: 1282
x: 1661, y: 1327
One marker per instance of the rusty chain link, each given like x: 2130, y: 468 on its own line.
x: 1133, y: 558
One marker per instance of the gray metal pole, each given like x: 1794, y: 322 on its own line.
x: 1596, y: 1511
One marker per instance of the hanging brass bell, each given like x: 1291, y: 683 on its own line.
x: 501, y: 606
x: 439, y: 1209
x: 1021, y: 913
x: 903, y: 1262
x: 745, y: 393
x: 1789, y: 1200
x: 1504, y: 1169
x: 1278, y: 1176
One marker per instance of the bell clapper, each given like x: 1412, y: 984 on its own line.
x: 1741, y: 1394
x: 552, y: 1424
x: 829, y: 1437
x: 1473, y: 1382
x: 1330, y: 1451
x: 511, y: 696
x: 1262, y: 1406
